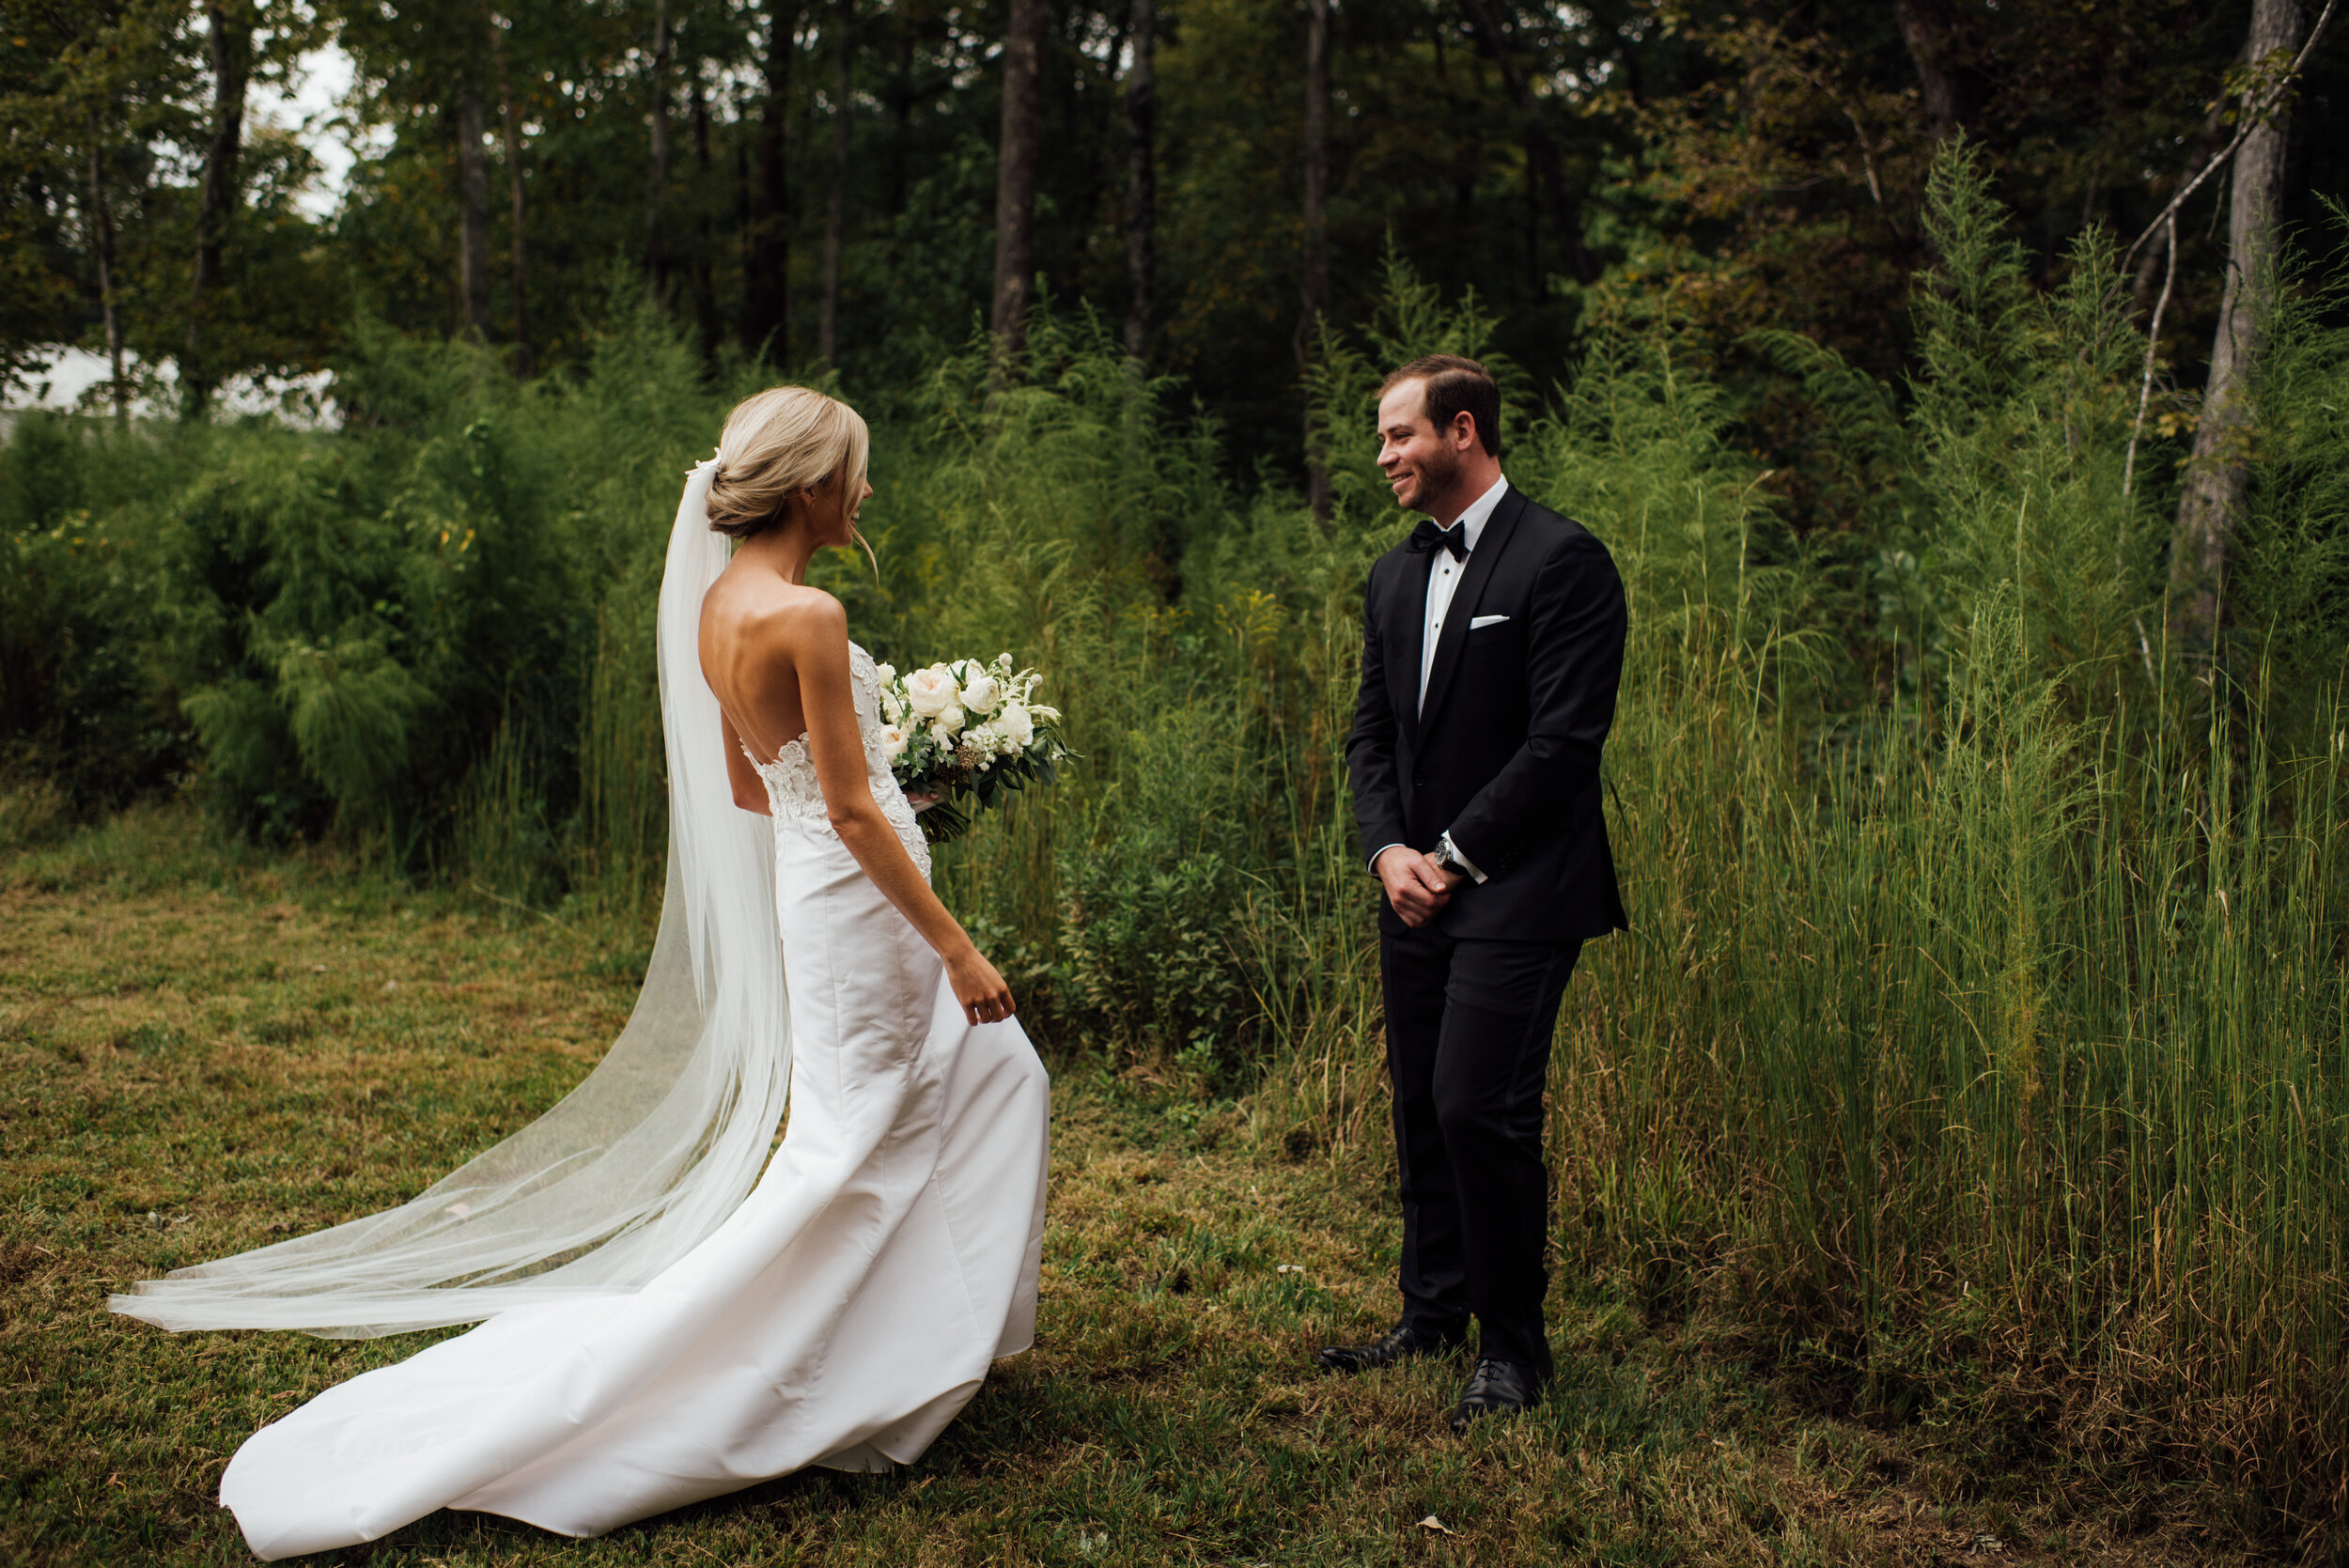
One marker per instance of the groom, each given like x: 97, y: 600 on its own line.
x: 1492, y: 642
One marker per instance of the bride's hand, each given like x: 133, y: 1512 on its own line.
x: 923, y: 800
x: 984, y: 996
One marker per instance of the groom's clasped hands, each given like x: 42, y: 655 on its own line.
x: 1417, y: 884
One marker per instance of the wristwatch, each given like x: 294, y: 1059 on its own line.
x: 1447, y: 856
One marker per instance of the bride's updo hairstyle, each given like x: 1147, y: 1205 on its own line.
x: 779, y: 442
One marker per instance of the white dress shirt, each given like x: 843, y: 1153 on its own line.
x: 1443, y: 580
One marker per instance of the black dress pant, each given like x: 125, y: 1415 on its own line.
x: 1469, y: 1026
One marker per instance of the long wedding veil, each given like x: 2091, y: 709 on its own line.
x: 649, y: 1154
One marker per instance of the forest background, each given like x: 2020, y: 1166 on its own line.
x: 1958, y: 386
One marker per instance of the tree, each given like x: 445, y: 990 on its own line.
x: 228, y: 44
x: 510, y: 122
x: 2219, y: 476
x: 706, y: 240
x: 1142, y: 174
x: 472, y: 186
x: 1016, y: 157
x: 1541, y: 150
x: 1951, y: 90
x: 836, y: 209
x: 1315, y: 282
x: 766, y: 243
x: 102, y: 243
x: 657, y: 167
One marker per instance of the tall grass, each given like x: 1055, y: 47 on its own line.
x: 1980, y: 1035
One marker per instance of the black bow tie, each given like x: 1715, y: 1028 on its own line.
x: 1427, y: 537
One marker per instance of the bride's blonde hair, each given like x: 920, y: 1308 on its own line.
x: 780, y: 440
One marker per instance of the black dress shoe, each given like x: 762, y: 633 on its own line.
x: 1404, y: 1344
x: 1495, y: 1387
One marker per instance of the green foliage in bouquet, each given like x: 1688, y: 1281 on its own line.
x: 967, y: 732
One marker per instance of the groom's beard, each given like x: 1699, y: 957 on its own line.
x: 1432, y: 480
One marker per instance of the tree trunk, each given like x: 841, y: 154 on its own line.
x: 2218, y: 477
x: 1015, y: 174
x: 837, y: 212
x: 1952, y: 94
x: 767, y: 269
x: 657, y: 174
x: 1141, y: 177
x: 1548, y: 169
x: 102, y: 234
x: 900, y: 111
x: 704, y: 252
x: 510, y: 123
x: 1314, y: 284
x: 230, y: 47
x: 473, y: 183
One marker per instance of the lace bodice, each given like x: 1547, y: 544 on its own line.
x: 794, y: 795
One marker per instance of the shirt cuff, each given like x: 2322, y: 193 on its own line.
x: 1451, y: 852
x: 1382, y: 849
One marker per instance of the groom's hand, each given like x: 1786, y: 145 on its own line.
x: 1416, y: 888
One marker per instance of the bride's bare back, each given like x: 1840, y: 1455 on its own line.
x: 764, y: 643
x: 775, y: 653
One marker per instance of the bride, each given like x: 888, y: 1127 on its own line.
x: 670, y: 1313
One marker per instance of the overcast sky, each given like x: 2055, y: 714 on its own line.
x: 311, y: 111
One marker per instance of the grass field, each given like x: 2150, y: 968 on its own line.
x: 203, y: 1049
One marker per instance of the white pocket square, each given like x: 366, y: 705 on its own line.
x: 1483, y: 621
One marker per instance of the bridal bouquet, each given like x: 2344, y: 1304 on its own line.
x: 967, y: 730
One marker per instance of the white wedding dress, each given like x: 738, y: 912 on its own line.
x: 839, y: 1315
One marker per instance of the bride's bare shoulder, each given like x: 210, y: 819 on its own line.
x: 765, y: 611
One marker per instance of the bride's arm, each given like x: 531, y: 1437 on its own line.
x: 820, y: 655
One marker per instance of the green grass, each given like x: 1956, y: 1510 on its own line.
x: 203, y: 1049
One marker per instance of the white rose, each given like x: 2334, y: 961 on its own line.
x: 885, y: 673
x: 982, y: 693
x: 932, y: 692
x: 952, y: 719
x: 894, y: 741
x: 1018, y: 724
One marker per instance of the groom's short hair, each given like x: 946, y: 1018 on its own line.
x: 1456, y: 386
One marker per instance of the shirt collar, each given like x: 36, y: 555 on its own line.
x: 1480, y: 512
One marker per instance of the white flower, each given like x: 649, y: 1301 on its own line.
x: 944, y: 736
x: 894, y: 741
x: 1002, y: 660
x: 983, y: 739
x: 894, y: 707
x: 1017, y: 724
x: 982, y: 693
x: 931, y: 691
x: 952, y: 720
x: 885, y: 673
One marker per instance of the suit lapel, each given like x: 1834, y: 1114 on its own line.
x: 1480, y: 561
x: 1407, y: 616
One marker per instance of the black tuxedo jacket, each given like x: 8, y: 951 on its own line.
x: 1504, y: 753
